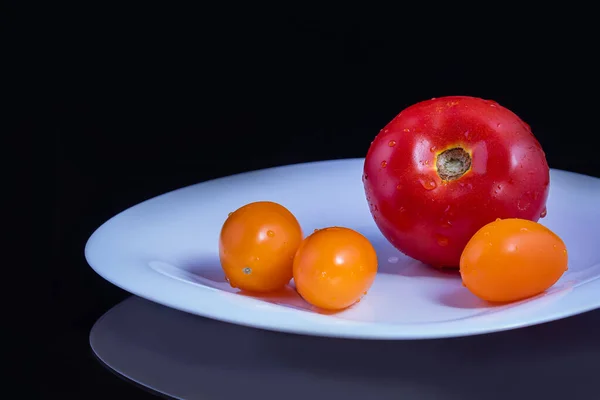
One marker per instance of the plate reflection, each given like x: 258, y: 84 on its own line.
x: 189, y: 357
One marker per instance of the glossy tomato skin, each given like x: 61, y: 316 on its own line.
x: 431, y: 219
x: 334, y: 268
x: 257, y: 244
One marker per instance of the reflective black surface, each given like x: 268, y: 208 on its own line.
x: 131, y: 102
x: 186, y: 356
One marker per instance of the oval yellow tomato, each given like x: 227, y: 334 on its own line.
x: 512, y: 259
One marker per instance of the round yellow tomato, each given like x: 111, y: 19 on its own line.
x: 334, y: 267
x: 512, y: 259
x: 257, y: 246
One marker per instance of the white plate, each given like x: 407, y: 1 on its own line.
x: 165, y: 250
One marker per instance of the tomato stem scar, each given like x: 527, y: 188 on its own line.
x: 453, y: 163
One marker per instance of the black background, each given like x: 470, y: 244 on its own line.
x: 131, y: 102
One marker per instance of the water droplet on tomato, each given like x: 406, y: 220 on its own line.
x: 426, y: 162
x: 446, y: 224
x: 229, y: 214
x: 323, y: 274
x: 432, y: 149
x: 398, y: 187
x: 401, y: 209
x: 428, y: 183
x: 383, y: 164
x: 357, y: 300
x: 392, y: 143
x: 490, y: 244
x: 316, y: 230
x: 393, y: 260
x: 385, y: 131
x: 493, y: 105
x: 498, y: 219
x: 270, y: 233
x: 433, y: 98
x: 486, y: 233
x: 524, y: 230
x: 498, y: 125
x: 247, y: 271
x: 564, y: 251
x: 544, y: 213
x: 554, y: 246
x: 365, y: 177
x: 442, y: 240
x: 364, y: 293
x: 406, y: 130
x: 523, y: 203
x: 467, y: 133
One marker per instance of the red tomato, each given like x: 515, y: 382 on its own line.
x: 512, y: 259
x: 443, y: 168
x: 334, y: 267
x: 257, y: 246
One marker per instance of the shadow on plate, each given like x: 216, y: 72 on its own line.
x: 393, y: 262
x: 208, y: 272
x: 186, y: 356
x: 462, y: 298
x: 209, y: 268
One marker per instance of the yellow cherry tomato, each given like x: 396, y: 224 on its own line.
x: 257, y: 246
x: 334, y: 267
